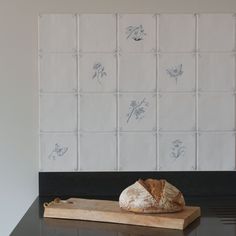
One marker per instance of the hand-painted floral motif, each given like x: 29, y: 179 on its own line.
x: 175, y: 72
x: 177, y: 149
x: 99, y: 72
x: 135, y: 32
x: 58, y: 151
x: 137, y: 109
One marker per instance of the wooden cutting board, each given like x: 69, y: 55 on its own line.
x: 109, y: 211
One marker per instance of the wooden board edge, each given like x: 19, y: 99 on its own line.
x: 53, y: 213
x: 196, y: 214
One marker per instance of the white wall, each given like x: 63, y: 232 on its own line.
x: 18, y: 86
x: 18, y: 114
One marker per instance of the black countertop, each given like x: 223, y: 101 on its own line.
x: 218, y: 218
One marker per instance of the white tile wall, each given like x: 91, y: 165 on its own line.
x: 97, y: 112
x: 57, y: 33
x: 216, y: 111
x: 177, y: 112
x: 177, y: 32
x: 62, y: 71
x: 137, y: 92
x: 137, y: 32
x: 216, y: 71
x: 216, y: 151
x: 58, y: 151
x: 216, y: 32
x: 137, y: 112
x: 58, y: 112
x: 138, y: 151
x: 97, y: 33
x: 98, y: 151
x: 184, y: 80
x: 105, y: 81
x: 177, y: 151
x: 134, y: 68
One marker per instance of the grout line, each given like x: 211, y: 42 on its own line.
x: 57, y: 93
x: 143, y: 13
x: 121, y: 52
x: 58, y: 132
x: 157, y: 94
x: 234, y: 86
x: 39, y: 99
x: 78, y: 95
x: 41, y: 52
x: 141, y: 131
x: 97, y: 132
x: 200, y: 131
x: 117, y: 94
x: 191, y: 52
x: 233, y: 52
x: 196, y: 94
x: 139, y: 92
x: 147, y: 52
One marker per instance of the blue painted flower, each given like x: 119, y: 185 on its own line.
x: 175, y: 72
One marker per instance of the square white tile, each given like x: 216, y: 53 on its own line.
x: 137, y: 32
x: 58, y: 152
x: 216, y: 111
x: 216, y: 71
x: 58, y: 73
x: 97, y: 72
x: 137, y: 72
x: 216, y: 32
x: 98, y: 112
x: 177, y: 112
x: 97, y: 32
x: 177, y: 151
x: 57, y: 32
x: 137, y: 112
x: 58, y: 112
x: 98, y: 152
x: 177, y: 32
x: 216, y: 151
x: 137, y: 152
x: 177, y: 72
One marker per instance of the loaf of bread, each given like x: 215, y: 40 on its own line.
x: 151, y: 196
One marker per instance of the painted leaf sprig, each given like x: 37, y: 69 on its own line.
x: 135, y: 32
x: 137, y: 109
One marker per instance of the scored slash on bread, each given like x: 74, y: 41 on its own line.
x: 151, y: 196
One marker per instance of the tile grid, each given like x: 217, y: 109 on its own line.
x: 41, y: 93
x: 115, y: 93
x: 184, y: 92
x: 155, y: 93
x: 200, y: 91
x: 197, y: 93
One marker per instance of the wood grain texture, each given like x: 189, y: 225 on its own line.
x: 109, y: 211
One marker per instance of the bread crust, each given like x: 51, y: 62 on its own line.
x: 151, y: 196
